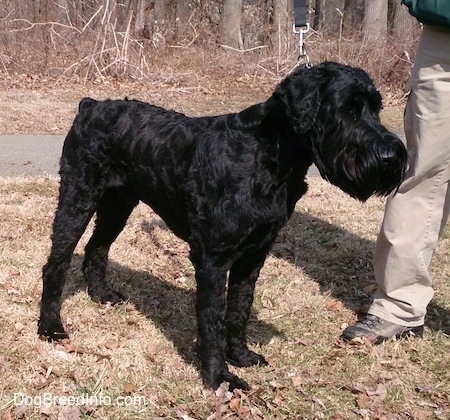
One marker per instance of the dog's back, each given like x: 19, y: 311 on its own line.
x: 168, y: 160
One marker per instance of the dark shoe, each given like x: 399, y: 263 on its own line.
x: 377, y: 330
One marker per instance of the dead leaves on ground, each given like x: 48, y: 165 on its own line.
x: 237, y: 403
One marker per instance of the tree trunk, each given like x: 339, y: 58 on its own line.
x: 183, y: 15
x: 230, y: 24
x: 139, y: 22
x: 353, y: 16
x: 152, y: 21
x: 375, y: 20
x: 318, y: 15
x: 332, y: 15
x: 281, y: 24
x: 402, y: 25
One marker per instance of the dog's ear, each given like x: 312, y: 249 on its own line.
x: 86, y: 104
x: 300, y: 97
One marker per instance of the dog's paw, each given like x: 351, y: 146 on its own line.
x: 106, y: 295
x: 244, y: 357
x: 215, y: 379
x: 51, y: 330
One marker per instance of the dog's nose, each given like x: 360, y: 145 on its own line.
x: 390, y: 148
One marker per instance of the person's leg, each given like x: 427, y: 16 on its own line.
x: 417, y: 213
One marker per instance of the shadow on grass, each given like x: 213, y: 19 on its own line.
x: 340, y: 262
x: 170, y: 307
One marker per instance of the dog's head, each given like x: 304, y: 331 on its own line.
x: 336, y: 108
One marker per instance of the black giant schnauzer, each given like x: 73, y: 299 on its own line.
x: 225, y: 184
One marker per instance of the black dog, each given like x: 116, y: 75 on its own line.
x: 225, y: 184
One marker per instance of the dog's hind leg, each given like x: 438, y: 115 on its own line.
x: 74, y: 211
x: 113, y: 211
x: 241, y: 286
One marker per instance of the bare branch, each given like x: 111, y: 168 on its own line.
x: 34, y: 24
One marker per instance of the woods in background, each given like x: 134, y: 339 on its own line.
x: 101, y: 37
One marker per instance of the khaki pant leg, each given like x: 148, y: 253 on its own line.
x: 416, y: 215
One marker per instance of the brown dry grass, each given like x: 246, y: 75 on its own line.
x: 47, y: 106
x: 44, y: 105
x: 137, y: 360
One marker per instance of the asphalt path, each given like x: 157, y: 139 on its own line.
x: 30, y: 155
x: 38, y: 155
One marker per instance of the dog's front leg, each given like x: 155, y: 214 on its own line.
x: 210, y: 306
x: 241, y: 286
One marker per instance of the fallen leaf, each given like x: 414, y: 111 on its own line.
x: 111, y: 344
x: 358, y: 388
x: 378, y: 394
x: 336, y: 354
x: 427, y: 389
x: 7, y: 416
x: 129, y: 388
x: 279, y: 399
x: 363, y: 401
x: 223, y: 392
x: 304, y: 342
x: 46, y: 410
x: 62, y: 355
x: 335, y: 305
x: 72, y: 348
x: 132, y: 321
x: 19, y: 327
x: 43, y: 382
x: 235, y: 403
x: 276, y: 385
x: 51, y: 369
x: 243, y: 412
x: 297, y: 381
x: 102, y: 356
x: 69, y: 413
x: 151, y: 351
x: 360, y: 341
x: 20, y: 410
x: 420, y: 414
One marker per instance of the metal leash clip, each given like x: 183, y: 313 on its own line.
x: 302, y: 55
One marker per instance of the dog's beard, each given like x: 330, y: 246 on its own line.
x: 362, y: 161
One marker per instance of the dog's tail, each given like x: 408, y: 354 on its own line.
x: 77, y: 133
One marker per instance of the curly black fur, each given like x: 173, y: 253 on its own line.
x: 225, y: 184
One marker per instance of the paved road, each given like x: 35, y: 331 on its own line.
x: 38, y: 155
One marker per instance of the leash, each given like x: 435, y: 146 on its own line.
x: 300, y: 28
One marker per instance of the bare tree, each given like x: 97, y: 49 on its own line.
x: 139, y: 22
x: 183, y: 15
x: 353, y: 16
x: 318, y: 6
x: 402, y: 25
x: 375, y: 20
x: 282, y: 23
x: 230, y: 24
x: 332, y: 15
